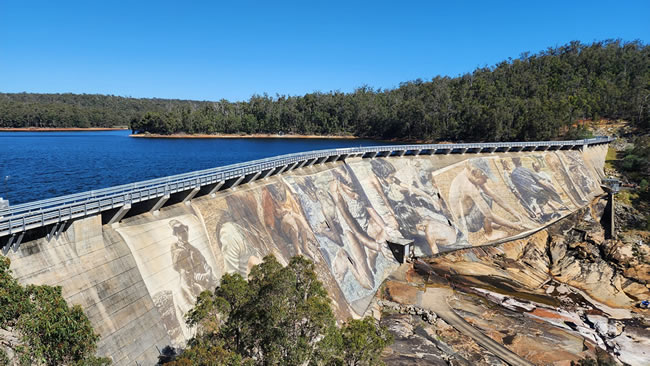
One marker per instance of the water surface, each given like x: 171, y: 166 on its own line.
x: 40, y: 165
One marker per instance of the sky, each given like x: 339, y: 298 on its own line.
x: 212, y: 50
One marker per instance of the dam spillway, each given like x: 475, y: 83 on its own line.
x: 135, y: 257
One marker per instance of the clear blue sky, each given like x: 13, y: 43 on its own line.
x: 209, y: 50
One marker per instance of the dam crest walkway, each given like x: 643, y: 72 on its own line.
x: 52, y: 215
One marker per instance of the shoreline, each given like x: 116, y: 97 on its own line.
x: 236, y: 136
x: 59, y: 129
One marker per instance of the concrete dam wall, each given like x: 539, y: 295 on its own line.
x: 136, y: 279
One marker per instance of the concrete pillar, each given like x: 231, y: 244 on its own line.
x: 401, y: 153
x: 213, y: 191
x: 268, y: 172
x: 191, y: 195
x: 55, y: 231
x: 155, y: 210
x: 284, y: 167
x: 331, y: 158
x: 462, y: 150
x: 302, y: 164
x: 612, y: 215
x: 119, y: 215
x: 13, y: 242
x: 237, y: 182
x: 255, y: 176
x: 373, y: 154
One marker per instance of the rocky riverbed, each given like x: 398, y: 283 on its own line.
x: 563, y: 294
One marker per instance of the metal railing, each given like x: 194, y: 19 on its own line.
x: 22, y: 217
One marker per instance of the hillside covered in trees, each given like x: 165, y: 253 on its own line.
x: 537, y: 96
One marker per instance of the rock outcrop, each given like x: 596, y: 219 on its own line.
x: 584, y: 288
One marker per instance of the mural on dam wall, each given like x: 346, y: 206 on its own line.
x: 141, y: 277
x: 408, y: 203
x: 319, y: 216
x: 493, y: 198
x: 176, y: 263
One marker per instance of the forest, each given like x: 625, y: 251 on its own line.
x: 534, y: 97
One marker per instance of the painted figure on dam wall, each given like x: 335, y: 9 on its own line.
x: 564, y: 180
x: 176, y: 264
x: 350, y: 233
x: 535, y: 189
x: 484, y: 208
x: 196, y: 274
x: 239, y: 234
x: 581, y: 176
x: 285, y: 221
x: 412, y: 202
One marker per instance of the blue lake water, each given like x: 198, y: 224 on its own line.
x: 40, y: 165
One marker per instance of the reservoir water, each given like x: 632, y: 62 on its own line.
x: 40, y: 165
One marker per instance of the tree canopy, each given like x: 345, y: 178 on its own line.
x: 536, y: 96
x: 281, y: 315
x: 51, y: 332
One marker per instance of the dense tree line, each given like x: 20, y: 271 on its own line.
x: 79, y: 110
x: 537, y: 96
x: 635, y: 164
x: 280, y: 316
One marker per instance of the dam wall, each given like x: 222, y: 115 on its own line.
x: 137, y: 278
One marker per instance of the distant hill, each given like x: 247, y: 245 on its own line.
x: 537, y: 96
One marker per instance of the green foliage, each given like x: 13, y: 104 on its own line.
x: 52, y: 332
x: 637, y: 159
x: 4, y: 359
x: 13, y: 300
x: 636, y: 165
x: 538, y: 96
x: 363, y: 342
x: 282, y: 315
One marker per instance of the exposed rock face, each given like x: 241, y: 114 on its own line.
x: 137, y: 280
x: 419, y: 342
x: 576, y: 287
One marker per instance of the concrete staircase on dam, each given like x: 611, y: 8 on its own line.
x: 135, y: 257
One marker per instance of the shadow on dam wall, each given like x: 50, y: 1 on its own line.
x: 137, y: 279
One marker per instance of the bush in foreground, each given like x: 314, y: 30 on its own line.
x: 49, y: 331
x: 281, y: 315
